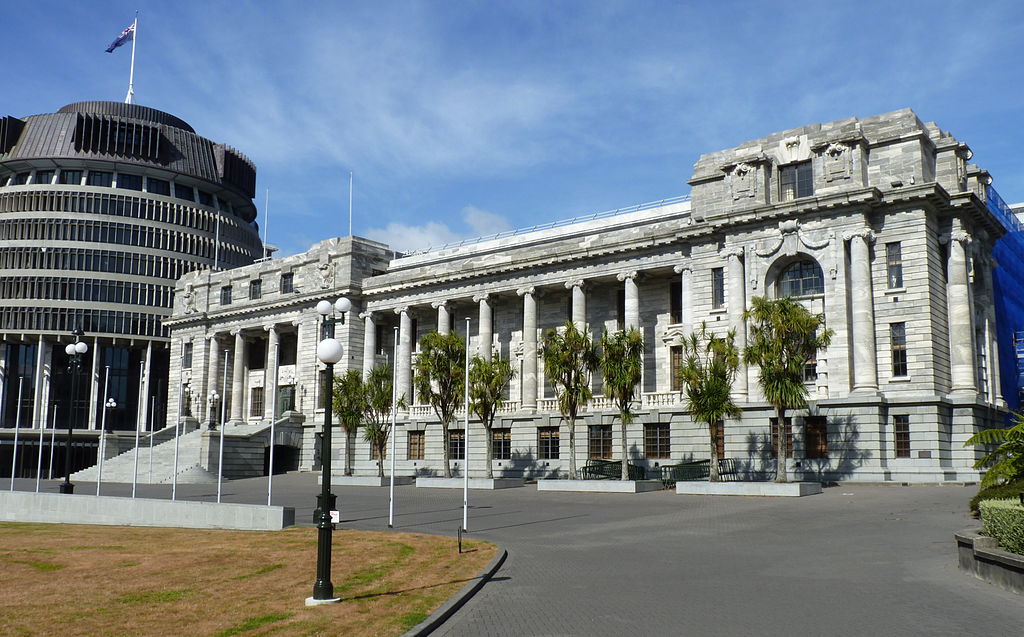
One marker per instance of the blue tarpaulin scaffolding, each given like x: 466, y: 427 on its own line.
x: 1008, y: 285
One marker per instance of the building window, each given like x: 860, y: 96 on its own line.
x: 810, y: 371
x: 287, y: 283
x: 501, y: 439
x: 815, y: 437
x: 158, y: 186
x: 901, y: 431
x: 286, y: 349
x: 656, y: 441
x: 256, y: 402
x: 795, y: 181
x: 547, y: 443
x: 225, y: 295
x: 718, y: 435
x: 599, y: 438
x: 257, y: 354
x: 99, y: 178
x: 894, y: 264
x: 675, y: 355
x: 456, y: 444
x: 898, y: 338
x: 129, y: 182
x: 255, y: 289
x: 44, y: 177
x: 675, y: 302
x: 181, y: 191
x: 205, y: 198
x: 374, y: 455
x: 186, y: 356
x: 71, y: 177
x: 20, y: 179
x: 787, y: 433
x: 717, y: 288
x: 285, y: 399
x: 381, y: 347
x: 415, y: 446
x: 802, y: 278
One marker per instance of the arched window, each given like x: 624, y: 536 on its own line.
x: 802, y: 278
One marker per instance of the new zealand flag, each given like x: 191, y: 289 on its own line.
x: 125, y: 36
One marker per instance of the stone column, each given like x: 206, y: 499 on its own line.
x: 213, y: 369
x: 238, y: 378
x: 270, y: 373
x: 862, y: 327
x: 685, y: 273
x: 3, y: 382
x: 444, y: 321
x: 632, y: 299
x: 94, y: 385
x: 529, y: 348
x: 404, y: 362
x: 579, y: 304
x: 369, y: 343
x: 39, y: 403
x: 485, y: 327
x: 961, y: 329
x: 737, y: 301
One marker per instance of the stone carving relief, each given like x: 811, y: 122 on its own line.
x: 793, y: 149
x: 743, y: 181
x: 188, y: 299
x: 326, y: 272
x: 838, y: 161
x: 821, y: 244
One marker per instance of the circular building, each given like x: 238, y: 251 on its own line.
x: 103, y: 205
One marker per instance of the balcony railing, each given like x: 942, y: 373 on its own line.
x: 596, y: 404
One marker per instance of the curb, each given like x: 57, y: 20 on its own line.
x: 439, y: 616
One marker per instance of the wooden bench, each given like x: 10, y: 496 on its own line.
x: 598, y: 469
x: 697, y: 470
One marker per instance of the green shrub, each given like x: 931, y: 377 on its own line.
x: 1004, y: 520
x: 1007, y: 491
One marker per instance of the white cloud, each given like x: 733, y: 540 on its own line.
x: 407, y: 238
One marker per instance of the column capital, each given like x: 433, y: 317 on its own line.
x: 961, y: 236
x: 863, y: 233
x: 237, y: 333
x: 631, y: 274
x: 439, y: 304
x: 270, y: 327
x: 481, y: 297
x: 366, y: 315
x: 682, y: 268
x: 733, y: 252
x: 575, y: 283
x: 527, y: 290
x: 402, y: 309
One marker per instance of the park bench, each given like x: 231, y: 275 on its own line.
x: 598, y: 469
x: 697, y: 470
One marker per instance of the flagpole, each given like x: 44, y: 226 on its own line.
x: 131, y: 73
x: 394, y: 432
x: 465, y: 444
x: 350, y: 203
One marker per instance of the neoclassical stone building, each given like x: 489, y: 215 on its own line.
x: 879, y: 223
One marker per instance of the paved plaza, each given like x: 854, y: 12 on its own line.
x: 855, y: 560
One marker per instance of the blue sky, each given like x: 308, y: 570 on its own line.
x: 462, y: 118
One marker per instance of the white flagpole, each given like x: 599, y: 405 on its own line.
x: 39, y: 460
x: 152, y: 430
x: 270, y: 470
x: 266, y: 223
x: 103, y: 431
x: 131, y: 73
x: 465, y: 444
x: 350, y: 203
x: 394, y: 422
x: 223, y: 423
x: 53, y: 440
x: 17, y: 429
x: 138, y: 426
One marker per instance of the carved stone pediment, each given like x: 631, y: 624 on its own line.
x: 673, y: 335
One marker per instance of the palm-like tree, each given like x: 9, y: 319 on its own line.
x: 378, y: 390
x: 708, y: 370
x: 440, y: 378
x: 621, y: 366
x: 784, y: 335
x: 569, y: 358
x: 1005, y: 463
x: 487, y: 382
x: 349, y: 406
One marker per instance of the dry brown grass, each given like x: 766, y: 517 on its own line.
x: 90, y: 580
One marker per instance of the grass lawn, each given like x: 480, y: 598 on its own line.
x: 58, y: 579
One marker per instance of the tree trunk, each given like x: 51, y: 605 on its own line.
x: 490, y: 452
x: 625, y: 456
x: 444, y: 445
x: 572, y: 449
x: 713, y: 467
x: 780, y: 453
x: 380, y: 461
x: 348, y: 452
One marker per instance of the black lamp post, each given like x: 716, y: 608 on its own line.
x: 75, y: 351
x: 329, y: 352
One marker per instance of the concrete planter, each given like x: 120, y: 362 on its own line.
x: 769, y: 489
x: 474, y: 483
x: 600, y: 486
x: 366, y: 481
x: 982, y: 557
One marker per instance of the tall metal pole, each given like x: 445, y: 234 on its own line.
x: 138, y: 427
x: 131, y: 73
x: 53, y: 442
x: 223, y: 422
x: 17, y: 429
x: 152, y: 430
x: 323, y: 588
x: 39, y: 460
x: 350, y: 203
x: 394, y: 431
x: 177, y: 430
x: 465, y: 443
x: 103, y: 430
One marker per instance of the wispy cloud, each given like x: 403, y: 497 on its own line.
x: 433, y: 234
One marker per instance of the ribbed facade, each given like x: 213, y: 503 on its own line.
x: 103, y: 205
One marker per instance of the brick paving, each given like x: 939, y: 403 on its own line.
x: 855, y: 560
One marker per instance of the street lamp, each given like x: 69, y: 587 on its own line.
x: 75, y: 351
x: 107, y: 406
x: 213, y: 398
x: 329, y: 351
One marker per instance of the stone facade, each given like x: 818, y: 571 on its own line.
x: 878, y: 223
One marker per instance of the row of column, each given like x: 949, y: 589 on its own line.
x: 217, y: 361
